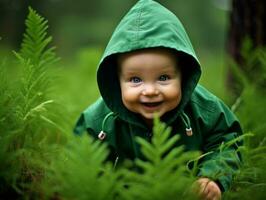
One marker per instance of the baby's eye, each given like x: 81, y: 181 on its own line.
x: 135, y: 80
x: 164, y: 77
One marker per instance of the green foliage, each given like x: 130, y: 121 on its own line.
x: 78, y: 171
x: 250, y: 107
x: 28, y: 114
x: 35, y: 41
x: 164, y: 174
x: 8, y: 171
x: 35, y: 57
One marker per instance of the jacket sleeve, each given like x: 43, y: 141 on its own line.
x: 90, y: 122
x: 220, y: 146
x: 80, y: 126
x: 90, y: 119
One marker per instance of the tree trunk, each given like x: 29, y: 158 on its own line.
x: 247, y: 20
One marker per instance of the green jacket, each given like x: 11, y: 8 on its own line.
x: 149, y: 24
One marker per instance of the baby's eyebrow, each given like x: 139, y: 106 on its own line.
x: 131, y: 71
x: 129, y: 74
x: 168, y: 70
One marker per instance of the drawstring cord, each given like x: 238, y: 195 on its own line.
x: 102, y: 134
x: 184, y: 117
x: 186, y: 121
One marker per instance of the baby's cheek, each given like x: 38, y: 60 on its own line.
x: 129, y: 95
x: 175, y: 93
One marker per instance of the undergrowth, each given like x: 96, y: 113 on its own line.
x: 29, y: 117
x: 250, y: 107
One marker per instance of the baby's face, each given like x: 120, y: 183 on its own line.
x: 150, y: 82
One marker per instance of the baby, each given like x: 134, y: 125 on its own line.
x: 149, y: 67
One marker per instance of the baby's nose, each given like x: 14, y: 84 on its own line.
x: 150, y: 89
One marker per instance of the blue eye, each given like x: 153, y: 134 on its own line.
x: 164, y: 78
x: 135, y: 80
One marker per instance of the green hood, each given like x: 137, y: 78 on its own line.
x: 147, y: 24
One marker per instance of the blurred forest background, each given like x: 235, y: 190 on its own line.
x: 81, y: 30
x: 90, y: 23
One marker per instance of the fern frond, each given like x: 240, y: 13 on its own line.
x: 164, y: 172
x: 35, y: 43
x: 34, y: 57
x: 79, y: 172
x: 29, y: 120
x: 37, y: 109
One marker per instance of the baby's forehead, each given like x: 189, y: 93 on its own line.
x: 158, y: 54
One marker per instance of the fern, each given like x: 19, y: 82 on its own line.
x: 35, y: 57
x: 251, y: 178
x: 79, y: 172
x: 250, y: 108
x: 8, y: 171
x: 164, y: 173
x: 35, y: 41
x: 28, y: 117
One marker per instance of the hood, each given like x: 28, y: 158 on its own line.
x: 147, y: 24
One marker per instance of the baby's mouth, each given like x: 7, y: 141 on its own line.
x: 151, y: 104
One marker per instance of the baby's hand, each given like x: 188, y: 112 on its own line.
x: 208, y: 189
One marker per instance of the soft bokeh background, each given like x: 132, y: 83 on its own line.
x: 81, y: 30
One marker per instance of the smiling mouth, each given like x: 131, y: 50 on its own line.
x: 151, y: 104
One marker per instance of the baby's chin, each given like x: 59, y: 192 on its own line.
x: 151, y: 116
